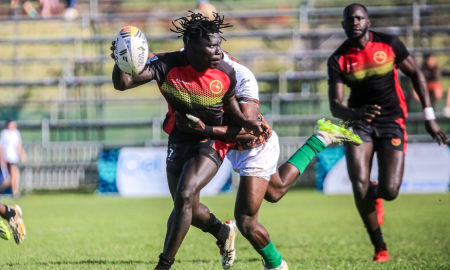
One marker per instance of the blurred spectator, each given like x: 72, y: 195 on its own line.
x: 48, y: 8
x: 432, y: 74
x: 10, y: 151
x: 71, y: 12
x: 206, y: 8
x: 27, y: 6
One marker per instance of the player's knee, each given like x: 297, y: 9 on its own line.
x: 185, y: 197
x: 389, y: 193
x: 245, y: 224
x: 360, y: 189
x: 273, y: 198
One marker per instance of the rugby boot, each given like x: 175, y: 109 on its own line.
x: 17, y: 225
x: 334, y: 134
x: 378, y: 204
x: 381, y: 255
x: 227, y: 250
x: 283, y: 266
x: 4, y: 232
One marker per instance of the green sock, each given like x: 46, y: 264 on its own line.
x: 306, y: 153
x: 272, y: 258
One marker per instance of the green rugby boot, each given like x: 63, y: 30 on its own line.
x: 334, y: 134
x: 4, y: 231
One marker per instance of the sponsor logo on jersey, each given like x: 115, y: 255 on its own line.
x: 244, y: 81
x: 396, y: 141
x: 380, y: 57
x: 181, y: 81
x: 216, y: 86
x: 204, y: 140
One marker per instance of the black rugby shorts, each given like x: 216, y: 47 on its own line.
x: 179, y: 152
x: 383, y: 135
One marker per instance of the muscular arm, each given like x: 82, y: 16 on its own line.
x: 234, y: 133
x: 123, y: 81
x: 336, y: 97
x: 339, y: 110
x: 410, y: 68
x: 225, y: 133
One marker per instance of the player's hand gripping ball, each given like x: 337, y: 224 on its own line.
x: 131, y: 50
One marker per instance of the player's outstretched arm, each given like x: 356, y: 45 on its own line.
x: 339, y: 110
x: 123, y: 81
x: 410, y: 68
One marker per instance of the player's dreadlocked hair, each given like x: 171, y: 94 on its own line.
x: 197, y: 25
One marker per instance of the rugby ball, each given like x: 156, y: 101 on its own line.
x: 131, y: 50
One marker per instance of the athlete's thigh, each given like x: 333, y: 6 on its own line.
x: 359, y: 161
x: 390, y: 144
x: 197, y: 172
x: 391, y: 164
x: 250, y: 195
x: 172, y: 181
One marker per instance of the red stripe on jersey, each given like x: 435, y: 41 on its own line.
x: 401, y: 122
x: 401, y: 96
x: 187, y: 80
x: 170, y: 121
x: 375, y: 55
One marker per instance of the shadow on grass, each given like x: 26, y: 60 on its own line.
x: 100, y: 262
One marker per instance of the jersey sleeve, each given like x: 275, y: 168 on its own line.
x: 334, y: 71
x: 232, y: 89
x: 246, y: 85
x: 158, y: 67
x: 399, y: 49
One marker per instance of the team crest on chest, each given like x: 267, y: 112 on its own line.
x: 216, y: 86
x: 379, y: 57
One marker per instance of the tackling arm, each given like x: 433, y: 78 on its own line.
x: 231, y: 107
x: 226, y: 133
x: 235, y: 133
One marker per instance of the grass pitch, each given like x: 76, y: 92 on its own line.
x: 312, y: 231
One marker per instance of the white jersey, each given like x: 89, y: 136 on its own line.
x: 246, y: 84
x: 9, y: 141
x: 261, y: 161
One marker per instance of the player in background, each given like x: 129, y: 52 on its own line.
x: 196, y: 82
x: 11, y: 151
x: 13, y: 215
x: 256, y: 160
x: 368, y: 62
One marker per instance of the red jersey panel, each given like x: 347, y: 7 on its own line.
x: 371, y: 74
x: 187, y: 91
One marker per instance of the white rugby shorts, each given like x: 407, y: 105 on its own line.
x: 259, y: 162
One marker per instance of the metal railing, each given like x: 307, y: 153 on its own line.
x: 60, y: 165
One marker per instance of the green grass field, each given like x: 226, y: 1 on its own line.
x: 312, y: 231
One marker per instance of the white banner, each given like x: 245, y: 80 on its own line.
x: 427, y: 170
x: 141, y: 172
